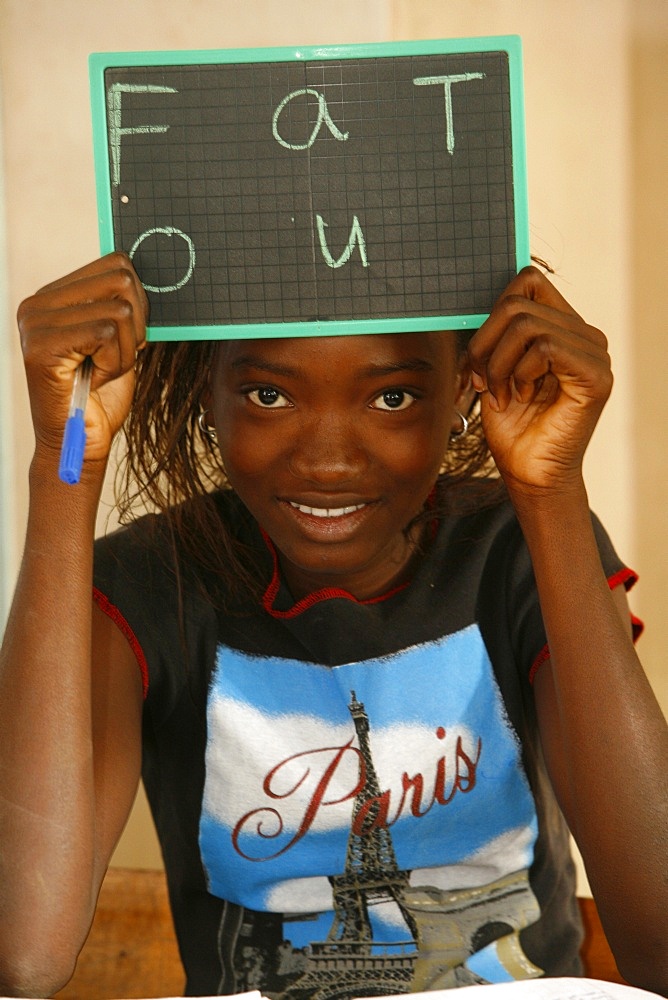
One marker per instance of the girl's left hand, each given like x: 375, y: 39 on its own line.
x: 545, y: 376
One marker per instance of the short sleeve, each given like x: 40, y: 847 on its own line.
x: 510, y: 613
x: 136, y: 585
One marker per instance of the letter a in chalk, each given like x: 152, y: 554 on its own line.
x: 114, y: 112
x: 324, y: 117
x: 356, y: 236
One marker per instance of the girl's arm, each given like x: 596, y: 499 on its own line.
x: 545, y: 377
x: 70, y: 694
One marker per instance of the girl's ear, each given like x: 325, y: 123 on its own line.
x: 465, y: 393
x: 206, y: 398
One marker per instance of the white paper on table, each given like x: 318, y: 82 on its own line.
x: 563, y: 988
x: 558, y: 988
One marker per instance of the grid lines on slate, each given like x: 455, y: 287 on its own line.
x: 317, y: 190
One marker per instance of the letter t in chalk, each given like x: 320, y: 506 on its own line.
x: 74, y: 438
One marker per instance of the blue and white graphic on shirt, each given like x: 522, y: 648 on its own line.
x: 408, y: 760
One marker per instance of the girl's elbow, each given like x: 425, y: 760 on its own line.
x: 648, y: 969
x: 34, y: 972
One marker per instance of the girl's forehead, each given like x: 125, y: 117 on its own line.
x: 434, y: 347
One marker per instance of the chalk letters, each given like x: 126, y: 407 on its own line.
x: 356, y: 236
x: 167, y: 231
x: 203, y: 175
x: 323, y: 116
x: 116, y: 130
x: 447, y: 81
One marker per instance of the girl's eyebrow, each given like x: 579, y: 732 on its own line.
x: 395, y: 367
x: 253, y: 361
x: 373, y: 370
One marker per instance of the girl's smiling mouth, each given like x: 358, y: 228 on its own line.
x: 326, y: 511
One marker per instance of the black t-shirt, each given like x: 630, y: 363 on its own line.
x: 351, y: 795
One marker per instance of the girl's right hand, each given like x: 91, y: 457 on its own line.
x: 100, y: 310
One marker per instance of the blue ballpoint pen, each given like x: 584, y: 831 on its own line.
x: 74, y: 438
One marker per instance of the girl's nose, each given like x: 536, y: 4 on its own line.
x: 328, y: 452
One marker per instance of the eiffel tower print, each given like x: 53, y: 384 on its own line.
x: 351, y: 963
x: 443, y: 926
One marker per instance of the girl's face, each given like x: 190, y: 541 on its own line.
x: 334, y: 444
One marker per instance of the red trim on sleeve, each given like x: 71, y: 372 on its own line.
x: 111, y: 611
x: 304, y: 603
x: 624, y: 577
x: 538, y: 662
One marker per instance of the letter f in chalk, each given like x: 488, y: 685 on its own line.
x: 116, y: 131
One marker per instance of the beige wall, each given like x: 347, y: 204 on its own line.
x: 596, y: 130
x: 648, y: 240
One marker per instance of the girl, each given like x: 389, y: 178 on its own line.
x: 364, y: 680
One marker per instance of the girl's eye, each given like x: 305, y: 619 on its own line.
x: 266, y: 396
x: 393, y: 399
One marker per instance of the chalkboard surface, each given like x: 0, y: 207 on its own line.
x: 275, y: 192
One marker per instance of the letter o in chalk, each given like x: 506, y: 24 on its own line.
x: 167, y: 231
